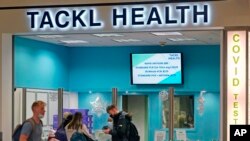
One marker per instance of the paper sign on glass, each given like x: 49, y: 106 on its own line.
x: 181, y: 135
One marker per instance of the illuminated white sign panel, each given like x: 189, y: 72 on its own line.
x: 236, y: 74
x: 120, y: 17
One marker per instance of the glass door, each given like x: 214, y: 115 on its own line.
x: 183, y: 116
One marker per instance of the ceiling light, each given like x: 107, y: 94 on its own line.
x: 166, y: 33
x: 108, y: 35
x: 126, y: 40
x: 181, y: 39
x: 50, y: 36
x: 74, y: 41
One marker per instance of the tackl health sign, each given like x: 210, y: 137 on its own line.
x: 136, y: 16
x: 236, y: 83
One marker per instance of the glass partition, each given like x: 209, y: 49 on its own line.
x: 197, y: 116
x: 183, y: 112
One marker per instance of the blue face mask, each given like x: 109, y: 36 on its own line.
x: 110, y: 124
x: 40, y: 116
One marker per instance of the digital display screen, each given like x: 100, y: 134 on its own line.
x: 156, y: 68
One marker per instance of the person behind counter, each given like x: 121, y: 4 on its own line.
x: 190, y: 122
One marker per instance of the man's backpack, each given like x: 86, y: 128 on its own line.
x: 77, y: 136
x: 17, y: 132
x: 61, y: 134
x: 133, y: 134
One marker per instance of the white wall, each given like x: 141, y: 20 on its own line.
x: 18, y: 101
x: 53, y: 106
x: 6, y: 101
x: 73, y: 98
x: 70, y: 100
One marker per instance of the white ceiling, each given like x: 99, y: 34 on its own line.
x: 145, y: 39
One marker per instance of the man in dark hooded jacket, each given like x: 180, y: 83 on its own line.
x: 120, y: 124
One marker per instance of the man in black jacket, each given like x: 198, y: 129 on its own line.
x: 120, y: 124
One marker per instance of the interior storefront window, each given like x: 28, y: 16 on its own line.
x: 183, y: 112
